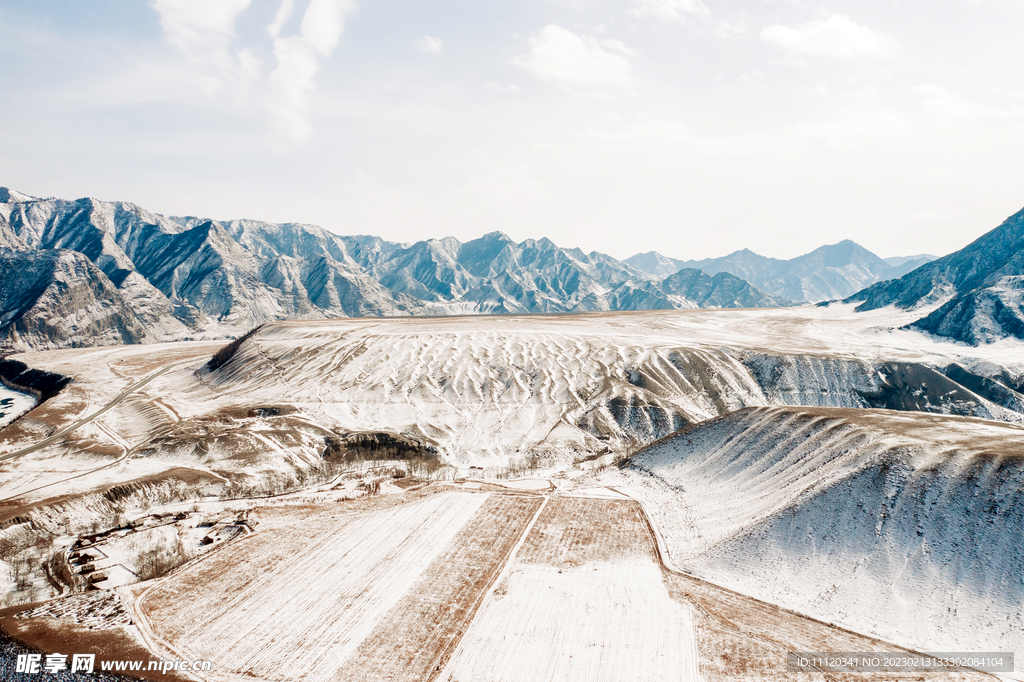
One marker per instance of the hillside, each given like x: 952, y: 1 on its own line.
x: 487, y: 391
x: 977, y: 290
x: 881, y: 522
x: 475, y: 459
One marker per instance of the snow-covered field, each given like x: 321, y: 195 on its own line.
x: 601, y: 622
x: 584, y: 600
x: 298, y: 600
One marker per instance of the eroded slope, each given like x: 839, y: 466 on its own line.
x: 903, y: 526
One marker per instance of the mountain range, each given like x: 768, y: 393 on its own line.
x: 976, y: 292
x: 88, y: 272
x: 827, y: 273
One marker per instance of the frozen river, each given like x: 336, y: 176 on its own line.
x: 13, y: 404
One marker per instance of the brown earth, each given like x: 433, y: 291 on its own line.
x: 572, y: 531
x: 417, y: 637
x: 741, y: 638
x: 52, y: 635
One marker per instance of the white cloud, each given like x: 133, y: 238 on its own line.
x: 430, y: 44
x: 669, y: 10
x: 938, y: 100
x: 284, y: 11
x: 559, y: 55
x: 203, y: 31
x: 199, y: 27
x: 323, y: 23
x: 511, y: 87
x: 298, y: 60
x: 728, y: 29
x: 836, y: 37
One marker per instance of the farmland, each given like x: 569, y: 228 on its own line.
x: 584, y: 600
x: 320, y: 595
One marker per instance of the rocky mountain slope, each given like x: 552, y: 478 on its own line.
x: 691, y: 288
x: 978, y: 289
x: 827, y: 273
x: 113, y: 272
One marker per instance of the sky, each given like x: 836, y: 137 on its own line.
x: 689, y: 127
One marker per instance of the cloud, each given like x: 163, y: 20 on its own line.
x: 203, y: 31
x: 430, y: 44
x: 323, y: 23
x: 511, y: 87
x: 559, y: 55
x: 284, y: 11
x: 199, y: 26
x: 941, y: 101
x: 728, y: 29
x: 836, y: 37
x: 298, y: 61
x: 669, y: 10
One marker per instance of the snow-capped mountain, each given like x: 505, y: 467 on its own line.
x: 692, y: 288
x: 492, y: 274
x: 911, y: 262
x: 112, y: 272
x: 175, y: 278
x: 827, y: 273
x: 979, y: 287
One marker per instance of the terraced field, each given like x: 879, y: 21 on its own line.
x: 418, y: 635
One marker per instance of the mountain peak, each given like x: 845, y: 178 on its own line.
x: 841, y: 254
x: 10, y: 196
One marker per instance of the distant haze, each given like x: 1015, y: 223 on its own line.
x: 897, y: 261
x: 689, y: 127
x: 828, y: 272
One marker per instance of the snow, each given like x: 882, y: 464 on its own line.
x: 489, y: 390
x: 816, y: 507
x: 603, y: 621
x: 899, y: 525
x: 296, y: 603
x: 526, y: 484
x: 13, y: 404
x: 486, y: 391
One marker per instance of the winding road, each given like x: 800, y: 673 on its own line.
x: 68, y: 429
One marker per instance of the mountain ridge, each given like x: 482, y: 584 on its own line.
x: 977, y: 291
x: 183, y: 277
x: 829, y: 272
